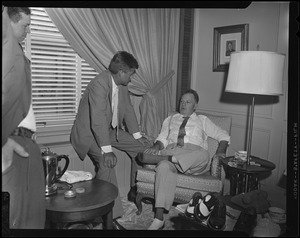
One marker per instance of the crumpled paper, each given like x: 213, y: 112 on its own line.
x: 76, y: 176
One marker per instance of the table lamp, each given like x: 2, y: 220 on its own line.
x: 255, y: 73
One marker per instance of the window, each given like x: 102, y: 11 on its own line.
x: 59, y: 75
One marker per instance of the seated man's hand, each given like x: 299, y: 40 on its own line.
x: 7, y: 153
x: 152, y: 150
x: 110, y: 160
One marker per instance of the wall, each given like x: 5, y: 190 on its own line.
x: 268, y: 28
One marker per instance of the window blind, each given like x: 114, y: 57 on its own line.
x: 59, y: 75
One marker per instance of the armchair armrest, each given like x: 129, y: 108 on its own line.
x: 217, y: 169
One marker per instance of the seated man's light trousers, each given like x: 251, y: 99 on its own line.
x: 166, y: 175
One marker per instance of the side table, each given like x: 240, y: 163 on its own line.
x: 244, y: 178
x: 97, y: 200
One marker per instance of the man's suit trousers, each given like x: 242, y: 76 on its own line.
x: 124, y: 142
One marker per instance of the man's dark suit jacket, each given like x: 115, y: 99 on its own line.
x: 93, y: 120
x: 16, y: 81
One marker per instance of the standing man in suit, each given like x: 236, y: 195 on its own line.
x: 22, y: 167
x: 104, y: 107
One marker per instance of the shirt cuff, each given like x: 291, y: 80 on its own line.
x: 137, y: 135
x: 106, y: 149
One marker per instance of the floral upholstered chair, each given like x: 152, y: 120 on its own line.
x: 187, y: 185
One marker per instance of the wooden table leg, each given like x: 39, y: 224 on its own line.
x: 108, y: 221
x: 233, y: 184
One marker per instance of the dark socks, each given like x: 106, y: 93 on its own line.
x: 159, y: 213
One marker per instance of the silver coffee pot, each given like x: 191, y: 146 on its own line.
x: 52, y: 171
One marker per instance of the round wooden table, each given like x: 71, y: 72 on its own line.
x: 97, y: 200
x: 244, y: 178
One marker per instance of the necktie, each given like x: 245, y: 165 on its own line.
x: 115, y: 100
x: 181, y: 134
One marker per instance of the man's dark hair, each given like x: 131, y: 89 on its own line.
x: 196, y: 96
x: 14, y: 13
x: 122, y: 60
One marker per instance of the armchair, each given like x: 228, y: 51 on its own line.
x: 187, y: 185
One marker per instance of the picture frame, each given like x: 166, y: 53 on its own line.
x: 228, y: 39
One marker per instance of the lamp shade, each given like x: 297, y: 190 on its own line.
x: 255, y: 72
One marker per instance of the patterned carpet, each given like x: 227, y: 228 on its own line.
x: 131, y: 221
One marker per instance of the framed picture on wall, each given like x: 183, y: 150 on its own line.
x: 228, y: 39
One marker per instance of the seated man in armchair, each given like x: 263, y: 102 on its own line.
x: 181, y: 147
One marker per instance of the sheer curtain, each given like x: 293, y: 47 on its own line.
x: 96, y: 34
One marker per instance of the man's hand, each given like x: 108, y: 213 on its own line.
x: 8, y: 151
x: 152, y: 150
x: 110, y: 160
x: 145, y: 141
x: 222, y: 148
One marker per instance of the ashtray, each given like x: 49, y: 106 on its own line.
x: 277, y: 215
x: 242, y: 155
x: 235, y: 161
x: 70, y: 194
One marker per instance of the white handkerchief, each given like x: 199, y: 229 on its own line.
x: 76, y: 176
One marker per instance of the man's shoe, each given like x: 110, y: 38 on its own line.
x: 246, y: 221
x: 117, y: 226
x: 157, y: 224
x: 217, y: 219
x: 205, y: 207
x: 197, y: 198
x: 132, y: 194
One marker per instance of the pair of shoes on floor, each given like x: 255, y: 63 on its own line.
x: 204, y: 208
x: 217, y: 218
x: 117, y: 225
x: 246, y: 221
x: 157, y: 224
x: 190, y: 209
x: 132, y: 194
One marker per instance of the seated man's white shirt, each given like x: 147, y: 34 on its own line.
x: 198, y: 128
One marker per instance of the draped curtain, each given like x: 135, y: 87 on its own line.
x: 96, y: 34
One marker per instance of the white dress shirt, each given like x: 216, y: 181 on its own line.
x: 29, y: 121
x: 198, y: 128
x: 114, y: 104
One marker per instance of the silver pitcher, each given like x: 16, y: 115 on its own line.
x: 52, y: 171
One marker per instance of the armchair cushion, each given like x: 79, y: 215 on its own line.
x: 205, y: 182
